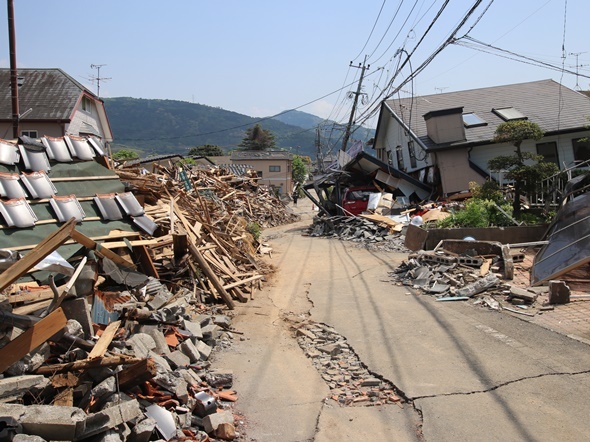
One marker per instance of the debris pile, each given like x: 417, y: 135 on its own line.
x: 452, y: 276
x: 350, y: 382
x: 117, y: 346
x: 365, y: 229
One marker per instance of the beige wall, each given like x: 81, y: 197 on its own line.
x: 281, y: 180
x: 51, y: 129
x: 455, y: 172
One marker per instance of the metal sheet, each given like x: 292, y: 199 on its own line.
x: 569, y: 242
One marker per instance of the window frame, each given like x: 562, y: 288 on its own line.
x: 584, y: 143
x: 555, y: 151
x: 28, y: 133
x: 274, y: 168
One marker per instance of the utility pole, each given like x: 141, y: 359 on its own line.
x: 318, y: 147
x: 577, y: 54
x: 98, y: 78
x: 13, y: 71
x: 356, y: 98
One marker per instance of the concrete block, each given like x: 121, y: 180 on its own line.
x: 141, y: 343
x: 142, y: 432
x: 178, y: 359
x: 194, y: 328
x: 212, y: 421
x: 18, y: 385
x: 204, y: 350
x: 159, y: 300
x: 222, y: 321
x: 559, y: 292
x: 220, y: 378
x: 158, y: 337
x: 79, y: 310
x: 27, y: 438
x: 190, y: 376
x: 189, y: 349
x: 111, y: 417
x: 47, y: 421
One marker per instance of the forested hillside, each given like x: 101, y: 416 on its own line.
x: 169, y: 126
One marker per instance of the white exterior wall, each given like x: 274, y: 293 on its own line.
x: 91, y: 118
x: 482, y: 154
x: 395, y: 135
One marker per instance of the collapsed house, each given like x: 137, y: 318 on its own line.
x: 116, y: 286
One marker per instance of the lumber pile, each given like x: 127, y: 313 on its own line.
x: 119, y: 347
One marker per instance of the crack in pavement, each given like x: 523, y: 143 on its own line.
x: 504, y: 384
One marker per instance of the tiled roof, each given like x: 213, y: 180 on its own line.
x: 50, y: 93
x: 261, y: 155
x: 152, y: 159
x: 553, y: 107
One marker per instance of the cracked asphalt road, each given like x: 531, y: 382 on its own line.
x: 469, y: 373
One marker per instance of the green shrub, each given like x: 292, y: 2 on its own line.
x: 253, y: 229
x: 478, y: 213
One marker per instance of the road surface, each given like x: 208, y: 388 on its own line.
x: 467, y: 373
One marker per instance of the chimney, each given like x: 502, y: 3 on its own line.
x: 445, y: 126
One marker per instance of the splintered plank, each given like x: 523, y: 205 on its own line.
x: 39, y: 333
x: 104, y: 341
x: 44, y: 248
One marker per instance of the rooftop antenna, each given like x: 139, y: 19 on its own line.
x: 577, y: 54
x: 98, y: 78
x: 440, y: 89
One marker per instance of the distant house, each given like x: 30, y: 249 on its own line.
x: 446, y: 140
x: 54, y: 104
x: 274, y: 167
x: 152, y: 163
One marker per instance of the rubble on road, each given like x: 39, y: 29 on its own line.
x: 483, y: 277
x: 372, y: 232
x: 350, y: 381
x: 119, y: 347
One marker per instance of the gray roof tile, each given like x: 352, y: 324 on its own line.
x: 553, y: 107
x: 50, y: 93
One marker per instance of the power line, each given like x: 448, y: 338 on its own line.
x: 372, y: 30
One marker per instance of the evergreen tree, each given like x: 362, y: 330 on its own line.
x: 258, y: 138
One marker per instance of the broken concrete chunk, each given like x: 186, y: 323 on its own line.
x: 331, y: 349
x: 189, y: 349
x: 194, y: 328
x: 158, y: 337
x: 27, y: 438
x: 111, y: 417
x: 178, y: 359
x: 212, y: 421
x: 141, y: 343
x: 559, y: 292
x: 523, y: 294
x: 204, y: 350
x: 142, y: 432
x: 222, y: 321
x: 220, y: 378
x: 47, y: 421
x: 31, y: 361
x: 371, y: 382
x: 18, y: 385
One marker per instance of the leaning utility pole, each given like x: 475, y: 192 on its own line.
x: 356, y: 98
x: 318, y: 146
x: 13, y: 71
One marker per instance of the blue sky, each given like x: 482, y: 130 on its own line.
x: 260, y: 57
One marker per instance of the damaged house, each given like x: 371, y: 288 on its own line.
x: 446, y: 140
x: 52, y: 104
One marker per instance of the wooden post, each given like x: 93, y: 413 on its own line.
x: 211, y: 276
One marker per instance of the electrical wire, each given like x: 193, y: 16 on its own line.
x: 372, y: 30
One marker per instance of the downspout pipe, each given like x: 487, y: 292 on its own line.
x: 13, y: 71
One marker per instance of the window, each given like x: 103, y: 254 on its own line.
x: 509, y: 114
x: 274, y: 168
x: 549, y: 152
x: 412, y: 154
x: 400, y: 157
x: 86, y: 104
x: 259, y: 173
x: 471, y: 119
x: 29, y: 133
x: 581, y: 149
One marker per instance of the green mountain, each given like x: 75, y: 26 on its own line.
x: 170, y: 126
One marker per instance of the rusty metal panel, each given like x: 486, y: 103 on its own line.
x: 569, y: 242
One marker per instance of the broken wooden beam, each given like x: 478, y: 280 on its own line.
x: 211, y: 276
x: 86, y: 364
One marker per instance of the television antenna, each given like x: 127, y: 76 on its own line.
x: 98, y: 78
